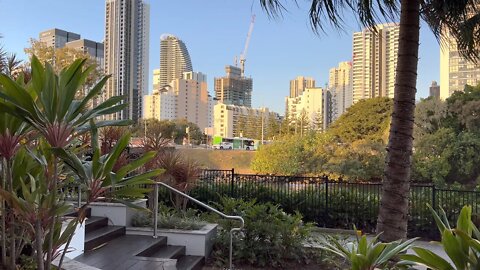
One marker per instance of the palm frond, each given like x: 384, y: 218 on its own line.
x: 369, y: 13
x: 459, y: 19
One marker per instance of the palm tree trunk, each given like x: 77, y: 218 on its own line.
x: 393, y: 212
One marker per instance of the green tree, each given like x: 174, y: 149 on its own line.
x: 365, y: 120
x: 59, y: 58
x: 442, y: 16
x: 180, y: 132
x: 463, y: 110
x: 429, y: 114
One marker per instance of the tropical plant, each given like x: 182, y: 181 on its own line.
x: 455, y: 17
x: 48, y: 105
x: 461, y: 244
x: 180, y: 172
x: 364, y: 254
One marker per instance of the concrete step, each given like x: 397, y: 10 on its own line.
x: 169, y: 252
x: 102, y: 235
x: 154, y: 247
x: 94, y: 223
x: 188, y: 262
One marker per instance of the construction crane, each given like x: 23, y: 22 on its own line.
x: 243, y: 56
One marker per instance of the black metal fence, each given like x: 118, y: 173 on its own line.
x: 333, y: 204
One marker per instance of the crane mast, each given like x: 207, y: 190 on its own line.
x: 243, y: 56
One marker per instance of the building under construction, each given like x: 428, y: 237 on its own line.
x: 234, y: 88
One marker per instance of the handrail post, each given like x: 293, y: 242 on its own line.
x: 326, y: 198
x: 79, y: 196
x: 434, y: 197
x: 231, y: 251
x: 155, y: 211
x: 232, y: 182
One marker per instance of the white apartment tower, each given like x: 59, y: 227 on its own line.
x: 184, y: 98
x: 174, y: 59
x: 127, y: 26
x: 340, y: 85
x: 455, y: 70
x: 374, y: 61
x: 313, y: 106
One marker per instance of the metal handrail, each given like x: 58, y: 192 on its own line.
x: 206, y: 206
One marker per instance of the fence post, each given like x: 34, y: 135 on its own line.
x: 232, y: 182
x: 326, y: 196
x: 434, y: 197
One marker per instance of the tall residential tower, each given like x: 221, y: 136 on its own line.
x: 455, y: 70
x: 340, y: 85
x: 298, y: 85
x: 374, y: 61
x: 127, y: 26
x: 174, y: 59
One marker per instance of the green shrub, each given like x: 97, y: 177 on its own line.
x: 170, y: 218
x: 348, y: 204
x: 270, y: 236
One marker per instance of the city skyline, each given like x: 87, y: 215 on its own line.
x: 215, y: 33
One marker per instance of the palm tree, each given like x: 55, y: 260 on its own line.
x: 13, y: 65
x: 460, y: 18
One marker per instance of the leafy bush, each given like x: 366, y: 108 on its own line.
x: 170, y: 218
x: 461, y: 244
x: 270, y: 236
x: 362, y: 254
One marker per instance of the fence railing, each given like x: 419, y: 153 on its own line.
x: 334, y: 204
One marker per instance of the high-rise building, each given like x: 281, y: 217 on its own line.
x: 160, y: 104
x: 340, y: 85
x: 156, y: 79
x: 435, y: 90
x: 298, y: 85
x: 455, y: 70
x: 92, y: 48
x: 127, y: 26
x: 374, y: 61
x: 184, y: 98
x: 233, y: 88
x: 312, y: 109
x: 57, y: 38
x: 174, y: 59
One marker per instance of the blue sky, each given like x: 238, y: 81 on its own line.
x: 214, y: 32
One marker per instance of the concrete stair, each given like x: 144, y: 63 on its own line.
x: 107, y: 247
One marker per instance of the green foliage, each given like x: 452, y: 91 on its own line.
x: 461, y: 244
x: 348, y: 203
x: 46, y: 116
x: 170, y: 218
x: 168, y: 129
x: 270, y: 236
x: 429, y: 114
x: 351, y: 149
x: 286, y: 156
x: 363, y: 254
x: 367, y: 119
